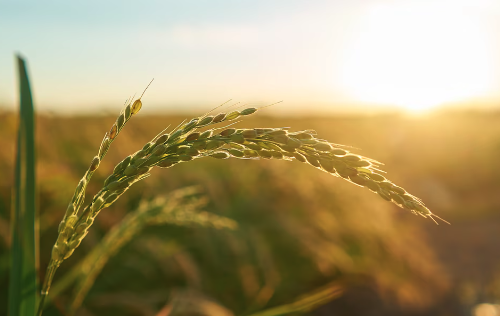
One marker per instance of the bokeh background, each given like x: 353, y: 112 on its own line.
x: 413, y: 84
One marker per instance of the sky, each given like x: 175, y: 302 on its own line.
x: 315, y: 56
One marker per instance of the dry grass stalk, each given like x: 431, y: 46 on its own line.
x: 198, y: 138
x: 180, y: 208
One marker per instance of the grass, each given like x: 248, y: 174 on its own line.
x: 306, y: 219
x: 23, y: 281
x: 204, y: 137
x: 200, y: 138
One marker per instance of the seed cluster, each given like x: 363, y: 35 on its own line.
x: 197, y: 139
x: 187, y: 143
x: 71, y: 229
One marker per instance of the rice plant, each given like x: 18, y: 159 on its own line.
x: 212, y: 136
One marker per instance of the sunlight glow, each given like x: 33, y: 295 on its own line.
x: 418, y: 56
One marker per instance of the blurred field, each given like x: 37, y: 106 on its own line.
x: 299, y: 228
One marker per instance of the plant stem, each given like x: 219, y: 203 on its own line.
x: 49, y: 276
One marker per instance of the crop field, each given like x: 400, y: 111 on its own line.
x: 275, y: 230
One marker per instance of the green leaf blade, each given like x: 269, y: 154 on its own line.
x: 23, y: 281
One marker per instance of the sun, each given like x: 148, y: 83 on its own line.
x: 418, y: 56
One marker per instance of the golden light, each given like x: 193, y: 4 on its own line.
x: 418, y: 56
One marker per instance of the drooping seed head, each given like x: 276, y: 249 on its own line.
x: 94, y: 164
x: 233, y: 115
x: 227, y: 132
x: 220, y: 155
x: 248, y: 111
x: 192, y: 136
x: 219, y: 118
x: 136, y: 106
